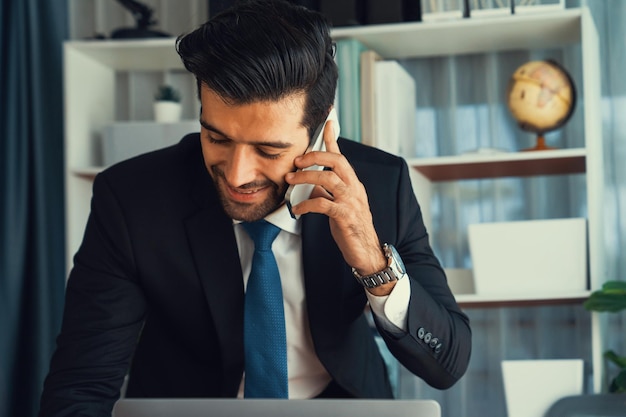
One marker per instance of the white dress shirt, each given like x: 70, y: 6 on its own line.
x: 307, y: 376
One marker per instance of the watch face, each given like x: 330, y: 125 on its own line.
x: 397, y: 260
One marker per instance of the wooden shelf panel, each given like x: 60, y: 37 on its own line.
x: 512, y: 300
x: 469, y: 36
x: 518, y: 164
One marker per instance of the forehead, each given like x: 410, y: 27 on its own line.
x: 260, y: 120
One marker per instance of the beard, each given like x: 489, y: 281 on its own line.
x: 248, y: 212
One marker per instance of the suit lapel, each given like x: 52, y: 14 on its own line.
x: 323, y: 266
x: 215, y: 253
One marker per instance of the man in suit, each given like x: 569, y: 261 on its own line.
x: 158, y: 286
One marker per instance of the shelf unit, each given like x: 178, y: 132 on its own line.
x: 90, y: 77
x: 90, y: 69
x: 509, y: 33
x: 470, y: 36
x: 505, y: 164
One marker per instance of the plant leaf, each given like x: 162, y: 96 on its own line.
x: 611, y: 298
x: 615, y: 358
x: 615, y: 285
x: 619, y: 383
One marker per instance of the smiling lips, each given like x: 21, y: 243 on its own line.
x: 246, y: 192
x: 245, y: 195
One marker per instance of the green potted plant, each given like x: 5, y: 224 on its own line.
x: 167, y: 107
x: 611, y: 298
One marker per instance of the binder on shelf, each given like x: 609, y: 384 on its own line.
x: 348, y: 58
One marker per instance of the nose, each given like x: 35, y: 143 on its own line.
x: 241, y: 168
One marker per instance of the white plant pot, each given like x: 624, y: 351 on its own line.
x: 167, y: 111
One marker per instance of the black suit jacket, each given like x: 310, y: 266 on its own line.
x: 157, y: 280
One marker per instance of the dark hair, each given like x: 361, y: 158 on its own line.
x: 265, y: 50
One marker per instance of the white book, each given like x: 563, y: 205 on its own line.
x: 368, y: 103
x: 395, y: 96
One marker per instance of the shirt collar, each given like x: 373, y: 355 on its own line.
x: 282, y: 219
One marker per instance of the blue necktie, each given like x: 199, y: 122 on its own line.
x: 265, y: 342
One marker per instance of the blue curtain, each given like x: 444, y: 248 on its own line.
x: 32, y: 258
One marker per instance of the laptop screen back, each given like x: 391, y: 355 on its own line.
x: 275, y: 408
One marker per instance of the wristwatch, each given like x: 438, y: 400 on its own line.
x: 394, y: 271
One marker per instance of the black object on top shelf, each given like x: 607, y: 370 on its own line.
x: 359, y: 12
x: 217, y: 6
x: 349, y: 12
x: 344, y: 12
x: 143, y: 18
x: 393, y: 11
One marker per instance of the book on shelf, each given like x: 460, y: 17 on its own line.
x: 368, y: 102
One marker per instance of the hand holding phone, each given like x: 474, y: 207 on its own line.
x: 297, y: 193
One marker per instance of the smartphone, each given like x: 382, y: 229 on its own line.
x: 297, y: 193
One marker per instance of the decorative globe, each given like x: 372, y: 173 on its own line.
x: 541, y: 97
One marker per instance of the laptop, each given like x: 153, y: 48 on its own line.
x: 275, y: 408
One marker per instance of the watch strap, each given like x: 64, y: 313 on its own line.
x: 377, y: 278
x: 392, y: 272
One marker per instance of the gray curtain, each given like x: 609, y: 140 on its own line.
x: 460, y: 108
x: 32, y: 258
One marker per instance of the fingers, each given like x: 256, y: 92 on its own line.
x: 321, y: 205
x: 337, y: 181
x: 334, y: 186
x: 328, y: 180
x: 332, y: 159
x: 330, y: 137
x: 331, y: 196
x: 340, y: 195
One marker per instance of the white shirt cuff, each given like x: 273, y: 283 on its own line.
x: 391, y: 310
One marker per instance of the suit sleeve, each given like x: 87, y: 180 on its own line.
x: 437, y: 344
x: 104, y: 312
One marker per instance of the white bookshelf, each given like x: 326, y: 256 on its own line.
x: 91, y: 68
x: 554, y: 29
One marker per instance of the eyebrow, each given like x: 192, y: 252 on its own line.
x: 273, y: 144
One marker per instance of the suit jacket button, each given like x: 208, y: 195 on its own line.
x: 438, y: 348
x: 421, y: 332
x: 427, y: 337
x: 433, y: 342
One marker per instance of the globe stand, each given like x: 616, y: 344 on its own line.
x: 541, y: 97
x: 540, y: 145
